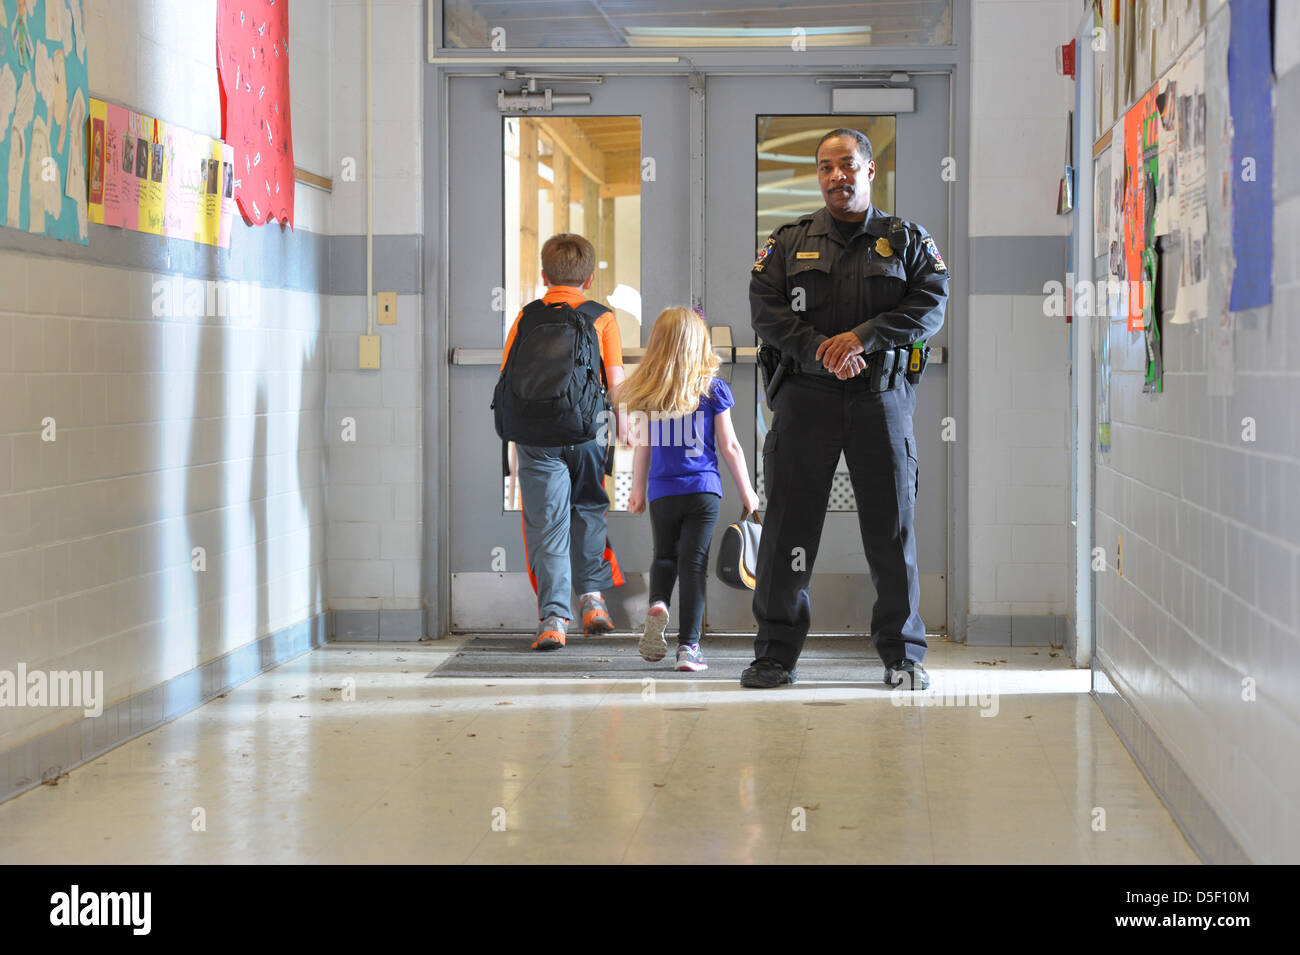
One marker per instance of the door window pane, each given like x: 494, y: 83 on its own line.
x: 787, y: 188
x: 577, y: 174
x: 679, y: 24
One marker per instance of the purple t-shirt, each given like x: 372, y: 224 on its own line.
x: 683, y: 452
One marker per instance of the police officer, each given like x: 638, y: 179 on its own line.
x: 842, y: 294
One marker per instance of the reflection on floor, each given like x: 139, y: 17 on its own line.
x: 1009, y: 760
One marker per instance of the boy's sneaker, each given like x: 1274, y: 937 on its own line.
x: 690, y: 658
x: 652, y: 646
x: 550, y: 633
x: 595, y: 616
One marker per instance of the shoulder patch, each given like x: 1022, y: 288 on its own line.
x: 761, y: 262
x: 932, y: 251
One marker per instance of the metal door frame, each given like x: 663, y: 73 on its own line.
x: 445, y: 63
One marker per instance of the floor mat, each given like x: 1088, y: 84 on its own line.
x: 836, y: 659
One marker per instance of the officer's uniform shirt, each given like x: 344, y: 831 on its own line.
x: 888, y: 287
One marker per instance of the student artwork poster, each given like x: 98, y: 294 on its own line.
x: 159, y: 178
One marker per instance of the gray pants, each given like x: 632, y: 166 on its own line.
x: 564, y: 503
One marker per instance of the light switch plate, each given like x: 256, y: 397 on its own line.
x: 386, y: 308
x: 368, y: 352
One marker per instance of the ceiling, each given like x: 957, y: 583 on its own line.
x: 684, y: 23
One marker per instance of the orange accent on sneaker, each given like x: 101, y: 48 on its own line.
x: 549, y: 640
x: 596, y: 619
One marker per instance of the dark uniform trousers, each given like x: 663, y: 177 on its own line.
x: 814, y: 420
x: 814, y: 279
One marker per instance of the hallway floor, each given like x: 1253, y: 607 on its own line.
x: 285, y: 769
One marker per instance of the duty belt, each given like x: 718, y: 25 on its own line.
x: 886, y: 369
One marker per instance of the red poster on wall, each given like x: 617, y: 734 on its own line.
x: 253, y: 70
x: 1141, y: 147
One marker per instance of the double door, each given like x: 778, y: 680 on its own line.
x: 676, y: 180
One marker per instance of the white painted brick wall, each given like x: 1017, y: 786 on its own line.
x: 1211, y: 529
x: 1019, y: 471
x: 153, y: 456
x: 1018, y: 108
x: 376, y: 483
x: 172, y: 432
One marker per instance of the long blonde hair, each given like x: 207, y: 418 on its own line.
x: 677, y: 369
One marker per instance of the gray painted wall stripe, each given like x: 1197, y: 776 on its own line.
x: 1016, y: 264
x: 401, y: 625
x: 274, y: 257
x: 399, y: 264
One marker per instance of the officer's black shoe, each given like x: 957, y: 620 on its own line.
x: 907, y: 675
x: 765, y: 673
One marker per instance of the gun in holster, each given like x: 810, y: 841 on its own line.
x: 774, y: 367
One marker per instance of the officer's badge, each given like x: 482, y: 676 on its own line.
x: 932, y: 251
x: 883, y: 246
x: 763, y: 253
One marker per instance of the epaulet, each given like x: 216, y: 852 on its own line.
x: 802, y: 220
x: 896, y: 223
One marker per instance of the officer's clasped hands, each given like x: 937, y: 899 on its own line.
x: 851, y: 368
x: 841, y: 355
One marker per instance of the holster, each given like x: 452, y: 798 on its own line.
x: 768, y: 360
x: 775, y: 368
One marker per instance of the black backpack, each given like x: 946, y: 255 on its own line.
x: 552, y: 389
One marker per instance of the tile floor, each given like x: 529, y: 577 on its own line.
x: 285, y: 769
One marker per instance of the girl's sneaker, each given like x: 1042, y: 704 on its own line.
x: 690, y: 658
x: 652, y: 646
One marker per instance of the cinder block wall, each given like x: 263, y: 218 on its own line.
x: 173, y: 432
x: 1017, y: 425
x: 1211, y: 531
x: 375, y: 481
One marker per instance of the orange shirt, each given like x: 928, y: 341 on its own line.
x: 611, y: 343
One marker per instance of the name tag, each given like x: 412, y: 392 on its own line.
x: 807, y: 255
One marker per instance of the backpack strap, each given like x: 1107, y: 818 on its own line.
x: 592, y: 310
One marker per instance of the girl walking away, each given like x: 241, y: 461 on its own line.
x: 680, y: 422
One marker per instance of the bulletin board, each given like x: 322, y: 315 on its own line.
x: 44, y: 99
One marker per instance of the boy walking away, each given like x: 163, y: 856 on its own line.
x: 562, y: 357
